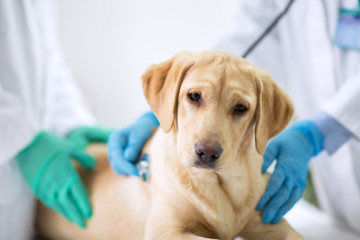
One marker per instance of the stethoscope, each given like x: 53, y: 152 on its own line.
x: 267, y: 30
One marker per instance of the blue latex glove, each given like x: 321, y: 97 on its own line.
x: 293, y: 149
x: 125, y: 145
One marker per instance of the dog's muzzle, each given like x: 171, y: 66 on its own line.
x: 207, y: 152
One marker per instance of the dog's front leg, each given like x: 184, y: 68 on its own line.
x: 163, y: 227
x: 256, y: 230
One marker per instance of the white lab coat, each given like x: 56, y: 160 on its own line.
x: 36, y: 92
x: 318, y: 76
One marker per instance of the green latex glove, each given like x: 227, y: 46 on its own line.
x: 82, y: 136
x: 46, y: 166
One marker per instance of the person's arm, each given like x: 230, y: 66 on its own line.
x: 335, y: 134
x: 17, y: 127
x: 44, y: 160
x: 67, y: 113
x: 67, y: 108
x: 293, y: 149
x: 344, y: 107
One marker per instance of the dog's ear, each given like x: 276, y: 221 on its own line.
x: 161, y: 84
x: 274, y: 110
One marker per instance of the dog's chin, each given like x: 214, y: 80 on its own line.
x: 205, y: 166
x: 195, y: 163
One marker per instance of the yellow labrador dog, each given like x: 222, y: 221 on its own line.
x: 217, y: 113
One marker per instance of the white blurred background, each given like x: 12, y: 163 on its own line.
x: 110, y: 43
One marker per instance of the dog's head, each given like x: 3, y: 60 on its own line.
x: 217, y: 104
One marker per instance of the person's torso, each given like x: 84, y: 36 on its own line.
x: 314, y: 68
x: 26, y: 54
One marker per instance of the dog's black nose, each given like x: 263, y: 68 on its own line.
x: 207, y: 152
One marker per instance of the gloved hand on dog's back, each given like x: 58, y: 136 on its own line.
x: 293, y: 149
x: 46, y: 166
x: 125, y: 145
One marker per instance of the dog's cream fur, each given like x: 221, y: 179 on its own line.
x: 182, y: 199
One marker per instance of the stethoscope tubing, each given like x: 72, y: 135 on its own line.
x: 267, y: 30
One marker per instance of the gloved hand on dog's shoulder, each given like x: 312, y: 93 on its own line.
x: 125, y: 145
x: 293, y: 149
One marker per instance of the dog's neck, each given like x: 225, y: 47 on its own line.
x: 234, y: 187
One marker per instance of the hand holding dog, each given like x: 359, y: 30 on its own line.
x: 293, y: 150
x: 125, y: 145
x: 46, y: 166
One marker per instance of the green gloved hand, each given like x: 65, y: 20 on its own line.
x: 46, y: 166
x: 82, y: 136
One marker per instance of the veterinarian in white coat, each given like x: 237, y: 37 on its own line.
x: 37, y: 95
x: 320, y: 76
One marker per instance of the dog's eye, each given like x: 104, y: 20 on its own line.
x: 240, y: 109
x: 195, y: 97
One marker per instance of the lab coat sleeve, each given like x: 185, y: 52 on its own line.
x: 335, y: 134
x: 250, y: 21
x: 67, y: 108
x: 345, y: 105
x: 17, y: 127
